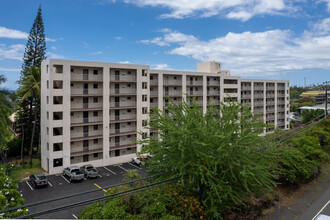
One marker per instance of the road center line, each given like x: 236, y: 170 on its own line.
x: 109, y: 170
x: 29, y: 185
x: 50, y: 184
x: 134, y: 166
x: 321, y: 210
x: 74, y: 216
x: 65, y: 179
x: 99, y: 187
x: 122, y: 167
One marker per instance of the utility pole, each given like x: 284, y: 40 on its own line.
x: 326, y: 102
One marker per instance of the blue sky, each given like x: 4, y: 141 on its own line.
x: 268, y: 39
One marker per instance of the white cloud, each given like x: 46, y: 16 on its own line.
x: 328, y: 4
x: 15, y: 51
x: 161, y: 66
x: 53, y: 48
x: 259, y: 53
x: 9, y: 69
x: 85, y: 44
x: 125, y: 62
x: 118, y: 38
x: 323, y: 26
x: 54, y: 56
x: 16, y: 34
x: 233, y: 9
x: 96, y: 53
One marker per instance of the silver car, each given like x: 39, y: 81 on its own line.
x: 73, y: 173
x: 89, y: 171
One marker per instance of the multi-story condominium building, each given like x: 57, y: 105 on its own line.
x: 92, y: 112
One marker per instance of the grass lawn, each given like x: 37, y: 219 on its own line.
x: 22, y: 172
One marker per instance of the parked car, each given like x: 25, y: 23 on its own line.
x: 138, y: 161
x: 73, y: 173
x: 38, y: 180
x: 89, y: 171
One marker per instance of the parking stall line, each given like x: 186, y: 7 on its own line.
x: 50, y: 184
x: 85, y: 178
x: 29, y: 185
x: 65, y: 179
x: 99, y: 187
x: 134, y: 166
x: 100, y: 175
x: 74, y: 216
x: 109, y: 170
x: 122, y: 167
x: 321, y: 210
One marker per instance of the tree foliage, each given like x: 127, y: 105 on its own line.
x: 308, y: 115
x: 214, y: 153
x: 35, y: 50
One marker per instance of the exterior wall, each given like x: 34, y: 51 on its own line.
x: 102, y: 110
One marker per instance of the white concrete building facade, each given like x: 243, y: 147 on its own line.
x: 92, y: 112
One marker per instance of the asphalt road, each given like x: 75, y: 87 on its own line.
x: 60, y: 186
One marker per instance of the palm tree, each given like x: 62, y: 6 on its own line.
x: 30, y: 89
x: 5, y: 112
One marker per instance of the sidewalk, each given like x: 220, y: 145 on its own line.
x: 303, y: 201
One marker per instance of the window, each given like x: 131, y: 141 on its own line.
x: 47, y: 84
x: 96, y: 141
x: 95, y: 100
x: 71, y: 158
x: 144, y: 123
x: 128, y: 85
x: 144, y: 73
x: 129, y: 73
x: 47, y: 69
x: 144, y: 135
x: 47, y: 99
x: 72, y: 143
x: 72, y: 70
x: 72, y: 99
x: 144, y: 85
x: 128, y: 136
x: 144, y: 98
x: 58, y: 100
x: 71, y: 128
x: 71, y: 84
x: 117, y: 72
x: 174, y: 88
x: 72, y: 113
x: 47, y: 146
x: 151, y: 77
x: 96, y: 154
x: 174, y: 77
x: 144, y: 110
x: 95, y: 86
x: 58, y: 162
x: 128, y: 98
x: 47, y: 115
x: 95, y: 114
x: 129, y: 110
x: 96, y: 127
x: 95, y: 72
x: 128, y: 123
x: 151, y: 100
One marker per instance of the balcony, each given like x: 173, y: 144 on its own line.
x: 271, y: 117
x: 270, y: 103
x: 280, y: 95
x: 87, y: 150
x: 86, y: 135
x: 86, y: 92
x: 213, y: 92
x: 258, y: 104
x: 122, y: 78
x: 154, y: 104
x: 126, y: 117
x: 88, y: 78
x: 122, y: 130
x: 213, y: 83
x: 258, y: 96
x: 195, y: 83
x: 154, y: 82
x: 123, y: 91
x: 280, y: 87
x: 86, y: 106
x: 153, y: 93
x: 271, y: 110
x: 246, y: 88
x: 246, y: 96
x: 280, y: 123
x: 92, y: 120
x: 195, y: 93
x: 172, y: 82
x: 270, y: 87
x: 119, y: 105
x: 258, y: 88
x: 272, y: 95
x: 213, y: 102
x: 172, y: 94
x: 280, y: 102
x: 121, y: 144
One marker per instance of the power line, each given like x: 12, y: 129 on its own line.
x: 81, y: 193
x: 88, y: 201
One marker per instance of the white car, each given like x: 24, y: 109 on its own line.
x: 138, y: 161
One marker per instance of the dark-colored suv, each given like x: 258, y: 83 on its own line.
x: 38, y: 180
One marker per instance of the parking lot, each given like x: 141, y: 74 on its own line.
x: 60, y: 185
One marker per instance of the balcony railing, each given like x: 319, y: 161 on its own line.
x: 86, y: 91
x: 258, y: 88
x: 122, y: 130
x: 195, y: 83
x: 270, y: 95
x: 75, y: 120
x: 272, y: 110
x: 85, y: 105
x: 153, y: 93
x: 213, y: 92
x: 172, y: 82
x: 270, y: 103
x: 246, y: 88
x: 280, y: 102
x: 122, y: 143
x: 280, y: 95
x: 271, y: 117
x: 213, y: 83
x: 270, y: 87
x: 154, y: 104
x: 260, y: 96
x: 172, y: 93
x: 246, y: 96
x: 84, y: 77
x: 123, y: 78
x: 122, y: 117
x: 280, y: 87
x: 195, y: 93
x: 153, y: 82
x: 122, y: 91
x: 86, y: 150
x: 257, y: 104
x: 85, y: 134
x: 122, y: 104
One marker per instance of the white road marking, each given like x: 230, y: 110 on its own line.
x: 134, y: 166
x: 29, y: 185
x: 109, y: 170
x: 122, y: 167
x: 85, y: 178
x: 100, y: 175
x: 65, y: 179
x: 50, y: 184
x: 321, y: 210
x: 74, y: 216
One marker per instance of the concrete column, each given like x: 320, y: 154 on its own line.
x: 275, y: 103
x: 184, y: 87
x: 106, y: 115
x: 66, y: 114
x: 160, y: 90
x: 204, y: 94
